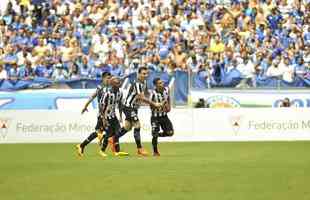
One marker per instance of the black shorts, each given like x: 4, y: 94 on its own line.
x: 113, y: 126
x: 131, y: 114
x: 161, y: 122
x: 99, y: 125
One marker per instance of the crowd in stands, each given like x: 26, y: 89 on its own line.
x: 72, y: 39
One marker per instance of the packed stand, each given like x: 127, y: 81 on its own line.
x: 247, y: 41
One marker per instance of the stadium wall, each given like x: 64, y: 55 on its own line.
x: 68, y: 99
x: 233, y: 98
x: 243, y: 124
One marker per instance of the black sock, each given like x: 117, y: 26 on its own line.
x: 116, y: 143
x: 122, y: 132
x: 154, y: 143
x: 136, y: 134
x: 105, y: 142
x: 90, y: 138
x: 119, y: 134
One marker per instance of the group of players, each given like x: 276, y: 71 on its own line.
x: 110, y: 97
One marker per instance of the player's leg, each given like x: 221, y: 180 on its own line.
x: 128, y: 122
x: 120, y: 133
x: 112, y: 128
x: 166, y: 126
x: 115, y: 129
x: 99, y: 127
x: 137, y: 136
x: 105, y: 143
x: 155, y: 134
x: 80, y: 147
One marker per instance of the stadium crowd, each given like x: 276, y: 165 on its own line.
x: 71, y: 39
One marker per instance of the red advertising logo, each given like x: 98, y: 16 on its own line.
x: 4, y: 128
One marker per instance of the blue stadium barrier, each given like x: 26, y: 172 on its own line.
x: 181, y: 89
x: 198, y: 81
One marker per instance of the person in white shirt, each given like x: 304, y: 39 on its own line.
x: 247, y: 70
x: 3, y: 73
x: 287, y: 69
x: 274, y: 70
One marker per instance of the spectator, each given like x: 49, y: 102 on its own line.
x: 13, y: 73
x: 288, y: 70
x: 164, y: 33
x: 285, y: 102
x: 200, y: 104
x: 3, y: 73
x: 74, y: 72
x: 274, y: 70
x: 60, y: 73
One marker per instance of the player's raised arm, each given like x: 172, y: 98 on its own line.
x: 167, y: 105
x: 141, y: 97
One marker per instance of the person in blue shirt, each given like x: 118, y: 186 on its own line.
x: 26, y: 71
x: 13, y: 72
x: 116, y: 70
x: 84, y: 67
x: 9, y: 58
x: 274, y: 19
x: 41, y: 70
x: 306, y: 36
x: 260, y: 32
x: 300, y: 67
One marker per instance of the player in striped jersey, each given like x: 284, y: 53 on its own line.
x: 111, y: 99
x: 100, y: 91
x: 159, y: 118
x: 135, y: 96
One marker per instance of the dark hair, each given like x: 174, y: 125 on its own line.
x: 141, y: 69
x: 155, y: 80
x: 105, y: 74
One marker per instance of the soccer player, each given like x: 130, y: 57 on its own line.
x: 135, y: 96
x: 159, y: 117
x: 100, y: 91
x: 111, y: 99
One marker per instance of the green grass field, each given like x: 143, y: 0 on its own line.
x: 189, y: 171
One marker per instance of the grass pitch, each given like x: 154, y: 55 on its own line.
x: 189, y: 171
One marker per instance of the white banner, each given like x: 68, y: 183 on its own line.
x: 243, y: 124
x: 251, y: 98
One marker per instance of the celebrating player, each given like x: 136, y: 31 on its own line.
x: 100, y: 91
x: 159, y: 118
x: 135, y: 96
x: 111, y: 99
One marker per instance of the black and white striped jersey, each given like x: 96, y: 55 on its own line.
x: 100, y: 91
x: 109, y: 101
x: 159, y: 97
x: 135, y: 89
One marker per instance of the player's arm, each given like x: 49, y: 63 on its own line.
x: 152, y: 99
x: 92, y: 97
x: 168, y: 103
x: 141, y: 97
x: 120, y: 108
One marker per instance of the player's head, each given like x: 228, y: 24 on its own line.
x: 115, y: 82
x: 158, y: 83
x: 143, y: 73
x: 105, y: 77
